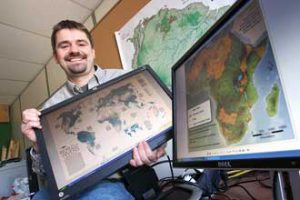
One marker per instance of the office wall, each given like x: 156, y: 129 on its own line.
x: 4, y: 113
x: 55, y: 76
x: 107, y: 55
x: 35, y: 93
x: 5, y: 129
x: 5, y: 132
x: 15, y: 111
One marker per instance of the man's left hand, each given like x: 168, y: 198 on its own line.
x: 143, y: 155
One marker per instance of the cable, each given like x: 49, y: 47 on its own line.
x: 250, y: 195
x: 232, y: 175
x: 233, y: 171
x: 171, y: 168
x: 264, y: 184
x: 240, y: 173
x: 161, y: 162
x: 238, y: 184
x: 250, y: 181
x: 260, y: 181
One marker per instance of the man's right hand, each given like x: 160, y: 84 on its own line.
x: 30, y: 120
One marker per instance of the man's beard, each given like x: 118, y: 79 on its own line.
x: 76, y: 68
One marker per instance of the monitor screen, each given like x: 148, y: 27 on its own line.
x: 232, y: 108
x: 87, y: 138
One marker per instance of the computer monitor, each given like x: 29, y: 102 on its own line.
x: 88, y: 137
x: 233, y: 105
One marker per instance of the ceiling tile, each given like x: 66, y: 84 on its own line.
x: 40, y: 16
x: 17, y: 70
x: 104, y: 8
x: 89, y: 24
x: 90, y: 4
x: 20, y: 45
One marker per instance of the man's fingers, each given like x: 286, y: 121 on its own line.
x: 133, y: 163
x: 30, y: 126
x: 30, y: 120
x: 136, y: 157
x: 30, y: 115
x: 28, y: 132
x: 144, y: 154
x: 33, y: 124
x: 151, y: 155
x: 161, y: 151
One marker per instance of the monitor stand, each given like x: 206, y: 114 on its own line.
x: 280, y: 186
x: 286, y: 185
x: 294, y: 178
x: 181, y: 191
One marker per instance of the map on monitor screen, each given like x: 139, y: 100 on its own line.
x: 231, y: 96
x: 240, y: 91
x: 94, y: 130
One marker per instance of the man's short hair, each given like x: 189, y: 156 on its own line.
x: 69, y: 24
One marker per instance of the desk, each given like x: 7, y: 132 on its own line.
x: 260, y: 190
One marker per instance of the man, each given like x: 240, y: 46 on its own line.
x: 74, y: 51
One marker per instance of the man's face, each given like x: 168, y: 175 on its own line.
x: 74, y: 53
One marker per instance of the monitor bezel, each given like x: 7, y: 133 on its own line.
x: 278, y: 163
x: 109, y: 168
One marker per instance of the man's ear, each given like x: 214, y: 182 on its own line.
x: 55, y: 57
x: 94, y: 53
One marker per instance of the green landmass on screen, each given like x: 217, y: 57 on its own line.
x: 162, y: 39
x: 272, y: 101
x: 226, y: 69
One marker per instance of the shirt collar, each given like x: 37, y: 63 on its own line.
x: 93, y: 82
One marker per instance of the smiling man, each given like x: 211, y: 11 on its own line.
x: 74, y: 51
x: 74, y: 54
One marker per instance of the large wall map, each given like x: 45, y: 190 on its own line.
x: 164, y: 30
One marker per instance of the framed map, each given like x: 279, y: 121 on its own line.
x: 91, y: 136
x: 161, y: 32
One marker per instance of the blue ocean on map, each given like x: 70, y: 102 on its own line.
x: 265, y: 76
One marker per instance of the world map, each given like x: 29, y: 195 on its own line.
x: 125, y: 98
x: 161, y: 33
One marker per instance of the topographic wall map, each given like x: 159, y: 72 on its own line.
x: 90, y: 132
x: 161, y: 32
x: 234, y: 92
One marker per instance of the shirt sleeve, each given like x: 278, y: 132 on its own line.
x: 37, y: 165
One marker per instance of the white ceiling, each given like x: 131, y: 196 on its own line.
x: 25, y: 29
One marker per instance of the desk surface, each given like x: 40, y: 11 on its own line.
x: 258, y: 184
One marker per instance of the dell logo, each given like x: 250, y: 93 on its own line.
x: 224, y: 164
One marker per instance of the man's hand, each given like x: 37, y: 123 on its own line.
x: 30, y: 120
x: 143, y: 155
